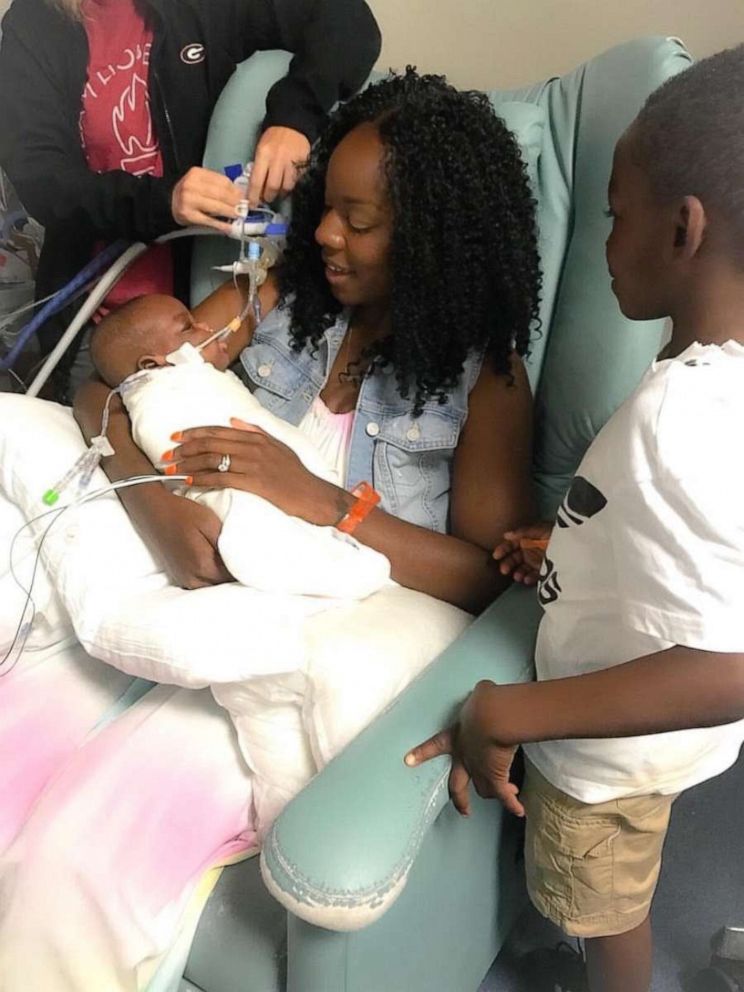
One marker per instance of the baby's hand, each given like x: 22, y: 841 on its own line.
x: 522, y: 550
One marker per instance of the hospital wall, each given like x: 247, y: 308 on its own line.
x: 489, y: 43
x: 504, y: 43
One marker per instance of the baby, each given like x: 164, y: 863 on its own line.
x: 139, y: 349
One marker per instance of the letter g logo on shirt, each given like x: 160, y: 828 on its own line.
x: 191, y: 54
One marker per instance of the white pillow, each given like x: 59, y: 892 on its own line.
x: 122, y: 607
x: 331, y: 673
x: 50, y: 624
x: 268, y: 717
x: 359, y: 658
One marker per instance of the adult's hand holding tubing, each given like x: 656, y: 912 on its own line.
x: 207, y: 198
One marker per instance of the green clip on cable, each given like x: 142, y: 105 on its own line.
x: 83, y: 468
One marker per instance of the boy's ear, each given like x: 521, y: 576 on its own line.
x: 151, y: 362
x: 690, y: 225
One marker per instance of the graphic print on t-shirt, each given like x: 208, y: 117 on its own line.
x: 117, y: 132
x: 548, y: 588
x: 582, y: 502
x: 115, y: 123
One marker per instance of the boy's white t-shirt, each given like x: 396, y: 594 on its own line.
x: 648, y: 552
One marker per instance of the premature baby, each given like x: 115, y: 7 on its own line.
x: 167, y: 390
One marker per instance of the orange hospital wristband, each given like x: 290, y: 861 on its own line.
x: 534, y: 543
x: 366, y: 499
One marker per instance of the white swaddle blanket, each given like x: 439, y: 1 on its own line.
x: 300, y: 676
x: 262, y: 546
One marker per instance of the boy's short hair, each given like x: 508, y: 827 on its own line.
x: 690, y: 138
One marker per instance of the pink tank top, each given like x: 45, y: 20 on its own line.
x: 330, y: 433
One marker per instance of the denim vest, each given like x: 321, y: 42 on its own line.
x: 408, y: 460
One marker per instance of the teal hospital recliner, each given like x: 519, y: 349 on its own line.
x: 372, y: 882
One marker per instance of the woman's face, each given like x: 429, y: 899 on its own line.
x: 356, y: 227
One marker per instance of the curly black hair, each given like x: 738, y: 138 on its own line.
x: 689, y: 137
x: 464, y: 260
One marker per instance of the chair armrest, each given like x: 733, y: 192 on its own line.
x: 339, y: 854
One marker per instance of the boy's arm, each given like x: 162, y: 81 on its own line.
x: 677, y: 689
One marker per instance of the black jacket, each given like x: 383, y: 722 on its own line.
x: 43, y: 64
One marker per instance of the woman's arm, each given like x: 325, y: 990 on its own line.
x: 334, y: 43
x: 491, y: 492
x: 227, y: 302
x: 182, y: 533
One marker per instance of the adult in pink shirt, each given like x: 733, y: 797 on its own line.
x: 105, y: 107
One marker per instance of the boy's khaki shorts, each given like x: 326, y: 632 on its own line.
x: 592, y: 869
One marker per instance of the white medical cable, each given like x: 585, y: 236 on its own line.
x: 84, y: 467
x: 30, y: 306
x: 85, y: 312
x: 105, y: 284
x: 23, y: 630
x: 17, y: 378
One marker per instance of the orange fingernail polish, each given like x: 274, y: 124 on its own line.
x: 167, y: 456
x: 189, y: 480
x: 171, y: 470
x: 177, y: 436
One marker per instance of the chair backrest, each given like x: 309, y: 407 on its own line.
x: 590, y: 357
x: 587, y: 357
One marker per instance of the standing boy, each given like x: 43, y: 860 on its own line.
x: 640, y: 655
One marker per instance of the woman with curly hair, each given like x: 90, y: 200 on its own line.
x: 393, y: 337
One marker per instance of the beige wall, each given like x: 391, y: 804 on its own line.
x: 498, y: 43
x: 490, y: 43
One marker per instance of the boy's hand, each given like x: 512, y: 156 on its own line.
x: 521, y: 551
x: 476, y: 754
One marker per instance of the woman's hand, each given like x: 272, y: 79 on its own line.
x: 258, y: 464
x: 278, y: 153
x: 183, y: 534
x: 205, y: 197
x: 521, y: 552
